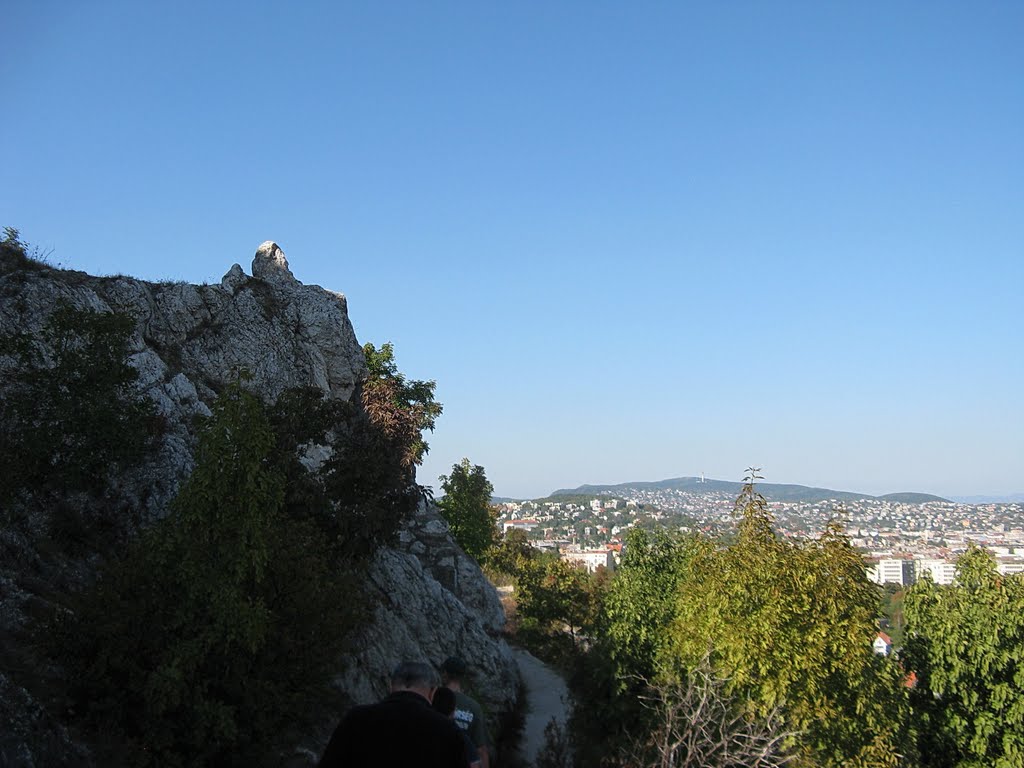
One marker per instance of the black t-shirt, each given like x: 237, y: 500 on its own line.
x: 401, y: 730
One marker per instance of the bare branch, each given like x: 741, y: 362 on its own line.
x: 699, y: 725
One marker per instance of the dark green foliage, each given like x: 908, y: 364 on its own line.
x: 370, y: 478
x: 556, y: 595
x: 633, y: 630
x: 370, y: 486
x: 208, y: 643
x: 467, y: 508
x: 70, y: 414
x: 556, y: 751
x: 213, y: 640
x: 302, y: 417
x: 892, y: 622
x: 965, y: 643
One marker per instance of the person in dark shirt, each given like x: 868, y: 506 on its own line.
x: 444, y: 702
x: 401, y: 730
x: 468, y: 714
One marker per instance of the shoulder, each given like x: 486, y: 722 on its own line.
x: 463, y: 701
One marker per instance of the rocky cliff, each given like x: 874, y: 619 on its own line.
x: 188, y: 343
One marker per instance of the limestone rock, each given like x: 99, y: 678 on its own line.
x: 234, y: 278
x: 189, y: 342
x: 270, y: 264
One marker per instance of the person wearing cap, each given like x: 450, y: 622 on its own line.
x: 468, y: 714
x: 402, y: 729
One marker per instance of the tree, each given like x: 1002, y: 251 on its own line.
x: 402, y: 409
x: 554, y: 594
x: 70, y: 412
x: 466, y: 506
x: 510, y: 554
x: 790, y: 625
x: 642, y: 600
x: 208, y: 642
x: 370, y: 478
x: 965, y: 643
x: 786, y: 625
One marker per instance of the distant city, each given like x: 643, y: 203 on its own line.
x: 902, y: 536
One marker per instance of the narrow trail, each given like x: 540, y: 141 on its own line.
x: 546, y: 697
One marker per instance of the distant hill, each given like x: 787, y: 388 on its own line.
x: 1009, y: 498
x: 771, y: 491
x: 910, y: 498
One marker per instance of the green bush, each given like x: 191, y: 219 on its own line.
x: 72, y: 416
x: 212, y: 640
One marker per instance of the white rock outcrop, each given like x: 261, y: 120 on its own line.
x: 189, y: 342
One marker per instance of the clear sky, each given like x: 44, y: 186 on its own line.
x: 630, y: 241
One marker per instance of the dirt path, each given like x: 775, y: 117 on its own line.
x: 546, y: 697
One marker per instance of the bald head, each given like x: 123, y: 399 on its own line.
x: 415, y: 676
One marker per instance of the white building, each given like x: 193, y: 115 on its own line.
x: 519, y: 525
x: 1008, y: 567
x: 590, y: 559
x: 882, y: 644
x: 891, y: 571
x: 941, y: 571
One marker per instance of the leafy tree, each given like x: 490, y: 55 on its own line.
x: 891, y: 598
x: 790, y: 625
x: 370, y: 477
x: 466, y: 506
x: 70, y: 419
x: 786, y: 625
x: 511, y: 553
x: 641, y: 603
x: 207, y: 643
x: 70, y: 411
x: 557, y: 594
x: 965, y: 643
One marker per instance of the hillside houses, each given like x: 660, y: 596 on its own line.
x: 902, y: 541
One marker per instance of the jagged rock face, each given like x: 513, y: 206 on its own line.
x: 402, y: 630
x: 284, y: 333
x: 189, y: 342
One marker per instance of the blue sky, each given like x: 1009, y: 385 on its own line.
x: 629, y: 241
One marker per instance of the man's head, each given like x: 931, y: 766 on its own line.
x: 454, y: 672
x: 415, y: 676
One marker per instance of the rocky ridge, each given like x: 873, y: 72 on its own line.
x: 189, y: 342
